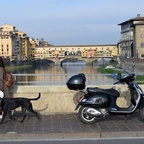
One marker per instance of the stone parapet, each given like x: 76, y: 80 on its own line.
x: 59, y: 99
x: 126, y: 64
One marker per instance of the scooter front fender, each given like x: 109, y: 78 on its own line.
x: 141, y: 103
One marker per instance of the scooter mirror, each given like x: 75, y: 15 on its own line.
x: 118, y: 76
x: 133, y: 67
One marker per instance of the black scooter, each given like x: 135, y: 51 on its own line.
x: 97, y: 102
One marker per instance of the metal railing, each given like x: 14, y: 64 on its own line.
x: 60, y: 79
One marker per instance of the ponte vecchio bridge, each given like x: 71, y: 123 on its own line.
x: 87, y: 53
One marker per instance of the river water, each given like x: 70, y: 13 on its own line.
x: 59, y: 75
x: 65, y: 69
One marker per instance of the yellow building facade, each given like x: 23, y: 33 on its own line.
x: 13, y: 43
x: 16, y: 45
x: 85, y: 51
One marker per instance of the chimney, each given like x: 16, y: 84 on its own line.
x: 138, y: 15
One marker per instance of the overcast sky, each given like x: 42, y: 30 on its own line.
x: 70, y: 22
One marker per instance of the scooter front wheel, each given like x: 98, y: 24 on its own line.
x: 85, y: 117
x: 141, y: 112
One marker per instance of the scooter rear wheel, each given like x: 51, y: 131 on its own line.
x: 85, y: 117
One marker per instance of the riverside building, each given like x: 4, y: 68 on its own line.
x: 131, y: 43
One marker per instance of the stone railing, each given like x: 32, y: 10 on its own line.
x: 59, y: 99
x: 126, y: 64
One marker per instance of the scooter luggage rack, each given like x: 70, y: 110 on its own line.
x: 83, y: 91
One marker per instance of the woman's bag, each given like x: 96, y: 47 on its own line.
x: 8, y: 80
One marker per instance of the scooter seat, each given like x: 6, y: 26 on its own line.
x: 110, y: 91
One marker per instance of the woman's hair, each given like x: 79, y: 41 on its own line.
x: 2, y: 62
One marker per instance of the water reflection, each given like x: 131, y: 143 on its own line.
x: 70, y: 69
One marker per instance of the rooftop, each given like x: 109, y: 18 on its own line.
x: 138, y: 18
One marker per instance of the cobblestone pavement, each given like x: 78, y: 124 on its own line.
x: 65, y: 124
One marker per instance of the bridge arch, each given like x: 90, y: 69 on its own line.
x: 42, y: 62
x: 74, y: 58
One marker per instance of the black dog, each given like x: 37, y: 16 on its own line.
x: 8, y: 104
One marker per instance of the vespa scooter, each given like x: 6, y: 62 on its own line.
x: 96, y: 102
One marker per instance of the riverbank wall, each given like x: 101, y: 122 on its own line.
x: 59, y: 99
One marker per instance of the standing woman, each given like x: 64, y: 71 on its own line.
x: 3, y: 87
x: 4, y: 92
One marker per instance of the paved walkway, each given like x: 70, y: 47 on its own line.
x: 69, y: 126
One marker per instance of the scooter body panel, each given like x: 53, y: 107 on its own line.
x: 96, y: 100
